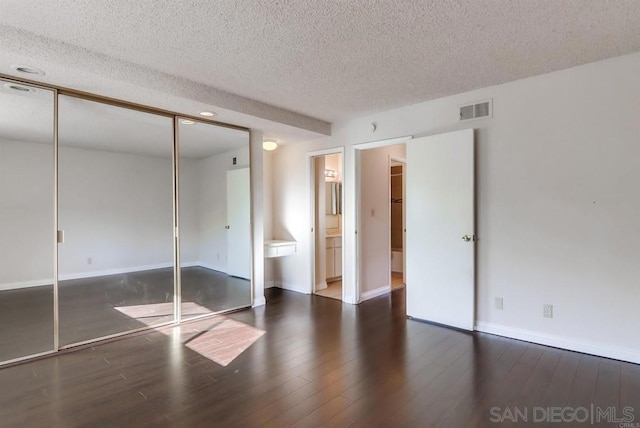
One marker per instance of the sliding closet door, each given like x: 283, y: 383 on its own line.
x: 26, y: 220
x: 116, y: 211
x: 214, y: 276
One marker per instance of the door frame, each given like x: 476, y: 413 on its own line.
x: 403, y: 161
x: 312, y: 220
x: 357, y: 214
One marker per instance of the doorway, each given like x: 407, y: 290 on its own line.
x: 327, y: 212
x: 440, y: 226
x: 397, y: 228
x: 380, y: 240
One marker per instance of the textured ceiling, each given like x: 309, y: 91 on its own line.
x: 338, y: 59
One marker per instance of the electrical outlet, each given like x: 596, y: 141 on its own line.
x: 499, y: 303
x: 547, y: 311
x: 235, y: 160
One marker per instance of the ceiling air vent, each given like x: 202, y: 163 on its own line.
x: 475, y: 111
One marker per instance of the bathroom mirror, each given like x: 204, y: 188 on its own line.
x: 333, y: 194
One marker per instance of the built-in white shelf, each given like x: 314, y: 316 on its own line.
x: 279, y: 248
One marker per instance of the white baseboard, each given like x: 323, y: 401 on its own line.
x: 105, y: 272
x: 321, y: 286
x: 375, y: 293
x: 190, y: 264
x: 292, y: 287
x: 259, y: 301
x: 209, y: 266
x: 25, y: 284
x: 623, y: 354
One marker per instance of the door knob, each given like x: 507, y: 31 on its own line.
x: 466, y: 238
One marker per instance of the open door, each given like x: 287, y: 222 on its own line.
x: 440, y: 223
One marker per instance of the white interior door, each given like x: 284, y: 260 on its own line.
x: 238, y: 223
x: 440, y: 229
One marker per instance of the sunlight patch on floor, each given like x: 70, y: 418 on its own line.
x: 222, y: 340
x: 155, y: 313
x: 219, y: 338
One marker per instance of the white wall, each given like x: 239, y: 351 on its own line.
x: 26, y: 214
x: 257, y: 215
x: 557, y: 202
x: 267, y: 182
x: 375, y: 216
x: 116, y: 209
x: 190, y: 193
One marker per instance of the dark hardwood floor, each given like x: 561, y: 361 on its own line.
x: 320, y: 364
x: 96, y: 307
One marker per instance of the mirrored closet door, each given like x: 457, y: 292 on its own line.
x: 98, y: 201
x: 214, y: 214
x: 26, y: 220
x: 115, y: 208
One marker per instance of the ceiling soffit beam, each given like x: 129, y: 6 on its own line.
x: 27, y: 44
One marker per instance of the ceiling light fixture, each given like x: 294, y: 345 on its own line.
x: 25, y: 69
x: 207, y: 113
x: 187, y: 122
x: 18, y: 88
x: 269, y: 145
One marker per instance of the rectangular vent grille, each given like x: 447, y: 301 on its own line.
x: 475, y: 111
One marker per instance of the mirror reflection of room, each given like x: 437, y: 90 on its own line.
x: 215, y: 237
x: 115, y: 208
x: 328, y: 225
x: 106, y: 206
x: 26, y: 220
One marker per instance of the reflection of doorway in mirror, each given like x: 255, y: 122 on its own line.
x: 238, y: 223
x: 214, y: 205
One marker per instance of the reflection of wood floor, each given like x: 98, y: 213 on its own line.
x: 396, y: 280
x: 97, y: 307
x: 333, y: 290
x: 319, y: 364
